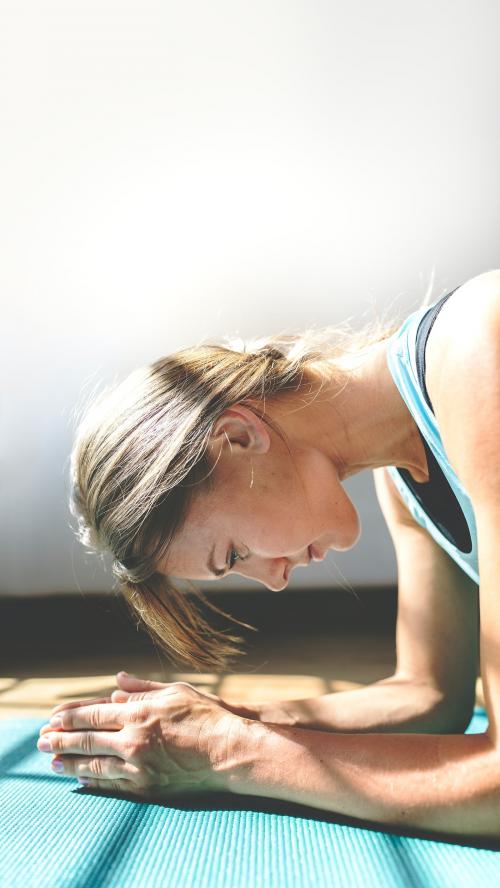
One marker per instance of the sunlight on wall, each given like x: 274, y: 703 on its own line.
x: 174, y: 172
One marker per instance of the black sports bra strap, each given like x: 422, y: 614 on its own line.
x: 436, y: 495
x: 424, y: 328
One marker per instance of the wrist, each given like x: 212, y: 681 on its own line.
x: 279, y: 712
x: 243, y: 738
x: 250, y: 711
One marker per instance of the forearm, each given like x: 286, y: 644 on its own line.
x: 438, y: 783
x: 391, y: 706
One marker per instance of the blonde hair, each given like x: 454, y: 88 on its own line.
x: 140, y: 456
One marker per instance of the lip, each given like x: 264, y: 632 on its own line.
x: 289, y: 567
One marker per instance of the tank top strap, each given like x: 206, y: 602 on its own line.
x: 441, y: 505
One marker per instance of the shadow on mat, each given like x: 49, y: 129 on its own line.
x: 210, y: 801
x: 19, y: 752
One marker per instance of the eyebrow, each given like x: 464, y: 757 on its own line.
x: 211, y: 566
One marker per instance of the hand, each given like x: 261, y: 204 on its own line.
x: 131, y: 688
x: 177, y: 739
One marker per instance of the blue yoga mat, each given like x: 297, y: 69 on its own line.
x: 54, y: 834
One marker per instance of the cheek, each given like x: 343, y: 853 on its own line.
x: 273, y: 530
x: 287, y: 530
x: 282, y: 514
x: 296, y: 515
x: 328, y: 515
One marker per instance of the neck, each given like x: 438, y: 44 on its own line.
x: 367, y: 423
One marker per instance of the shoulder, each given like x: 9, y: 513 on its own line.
x: 463, y: 378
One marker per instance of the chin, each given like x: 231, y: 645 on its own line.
x: 350, y: 542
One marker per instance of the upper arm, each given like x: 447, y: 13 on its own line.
x: 436, y: 631
x: 469, y: 421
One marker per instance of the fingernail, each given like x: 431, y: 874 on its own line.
x: 44, y: 744
x: 56, y: 722
x: 123, y: 673
x: 58, y: 766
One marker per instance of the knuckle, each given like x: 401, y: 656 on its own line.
x: 183, y: 688
x: 138, y: 712
x: 93, y: 717
x: 55, y: 742
x: 86, y: 743
x: 135, y: 750
x: 66, y: 719
x: 112, y: 786
x: 131, y: 749
x: 73, y: 720
x: 96, y: 767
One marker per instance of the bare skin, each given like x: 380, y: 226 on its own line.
x: 173, y: 737
x: 257, y: 480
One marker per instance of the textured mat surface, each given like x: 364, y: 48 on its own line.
x: 56, y: 835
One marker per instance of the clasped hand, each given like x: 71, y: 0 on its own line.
x: 171, y: 738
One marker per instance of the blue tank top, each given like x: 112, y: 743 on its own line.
x: 441, y: 505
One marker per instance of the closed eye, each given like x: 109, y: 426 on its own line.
x: 232, y: 560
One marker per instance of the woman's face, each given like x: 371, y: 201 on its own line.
x: 266, y: 508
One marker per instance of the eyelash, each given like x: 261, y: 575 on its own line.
x: 240, y: 557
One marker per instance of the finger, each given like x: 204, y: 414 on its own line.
x: 87, y: 743
x: 74, y: 703
x: 125, y: 697
x: 120, y: 696
x: 107, y: 786
x: 123, y: 787
x: 100, y: 717
x: 128, y: 682
x: 102, y: 767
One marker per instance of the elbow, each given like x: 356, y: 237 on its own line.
x: 456, y: 725
x: 443, y: 710
x: 451, y: 716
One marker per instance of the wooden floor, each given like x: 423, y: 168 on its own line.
x: 276, y: 668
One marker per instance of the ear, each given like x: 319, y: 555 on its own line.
x: 242, y: 428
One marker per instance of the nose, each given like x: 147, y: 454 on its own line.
x: 270, y: 572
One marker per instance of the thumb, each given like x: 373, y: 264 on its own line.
x: 131, y: 683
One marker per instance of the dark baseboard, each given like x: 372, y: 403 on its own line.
x: 97, y: 623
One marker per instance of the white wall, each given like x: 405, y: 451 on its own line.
x: 174, y: 171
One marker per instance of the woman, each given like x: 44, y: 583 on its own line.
x: 212, y: 462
